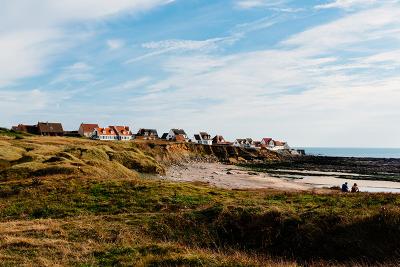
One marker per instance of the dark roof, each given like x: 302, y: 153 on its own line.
x: 148, y: 132
x: 219, y: 139
x: 32, y: 129
x: 164, y: 136
x: 178, y: 131
x: 197, y: 137
x: 50, y: 127
x: 205, y: 136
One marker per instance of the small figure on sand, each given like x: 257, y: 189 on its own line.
x: 354, y: 188
x: 345, y: 187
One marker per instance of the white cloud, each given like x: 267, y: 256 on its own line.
x: 114, y: 44
x: 30, y: 106
x: 246, y: 4
x: 32, y: 33
x: 308, y: 91
x: 77, y: 72
x: 166, y: 46
x: 346, y: 4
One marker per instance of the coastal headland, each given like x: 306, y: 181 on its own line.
x: 76, y: 201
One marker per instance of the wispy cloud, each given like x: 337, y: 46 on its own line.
x: 114, y: 44
x: 347, y: 4
x: 166, y: 46
x: 308, y: 82
x: 246, y: 4
x: 33, y: 33
x: 77, y: 72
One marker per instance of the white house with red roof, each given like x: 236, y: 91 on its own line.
x: 112, y: 133
x: 268, y: 142
x: 123, y: 132
x: 279, y: 145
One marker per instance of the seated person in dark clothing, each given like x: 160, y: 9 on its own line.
x: 354, y: 188
x: 345, y: 187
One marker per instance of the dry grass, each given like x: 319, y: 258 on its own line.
x: 105, y: 241
x: 77, y: 202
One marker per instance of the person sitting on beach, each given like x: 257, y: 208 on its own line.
x: 345, y: 187
x: 354, y: 188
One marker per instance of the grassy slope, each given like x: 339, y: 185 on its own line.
x: 79, y: 202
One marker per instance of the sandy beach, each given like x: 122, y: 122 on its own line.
x: 234, y: 177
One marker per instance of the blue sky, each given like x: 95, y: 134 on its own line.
x: 313, y: 73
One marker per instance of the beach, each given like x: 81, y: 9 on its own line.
x: 235, y: 177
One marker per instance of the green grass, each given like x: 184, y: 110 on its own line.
x: 93, y: 209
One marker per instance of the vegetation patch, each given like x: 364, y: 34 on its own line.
x: 138, y: 161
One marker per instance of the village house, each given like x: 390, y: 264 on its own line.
x: 203, y: 138
x: 257, y: 144
x: 178, y: 135
x: 41, y: 128
x: 245, y: 143
x: 112, y: 133
x: 279, y: 145
x: 86, y: 129
x: 104, y: 134
x: 147, y: 134
x: 268, y: 142
x: 32, y: 129
x: 220, y: 140
x: 50, y: 129
x: 123, y: 132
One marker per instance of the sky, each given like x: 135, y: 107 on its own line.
x: 310, y: 72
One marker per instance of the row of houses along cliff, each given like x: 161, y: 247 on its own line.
x: 123, y: 133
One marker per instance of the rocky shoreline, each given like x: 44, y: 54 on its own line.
x: 368, y: 168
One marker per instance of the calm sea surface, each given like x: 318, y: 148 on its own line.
x: 354, y: 152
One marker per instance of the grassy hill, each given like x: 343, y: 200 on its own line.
x: 71, y: 201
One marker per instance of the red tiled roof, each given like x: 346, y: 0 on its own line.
x: 106, y: 131
x: 122, y: 130
x: 267, y: 140
x: 280, y: 143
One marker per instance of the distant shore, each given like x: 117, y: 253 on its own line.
x: 352, y: 152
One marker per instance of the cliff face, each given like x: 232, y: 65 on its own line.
x: 44, y: 156
x: 173, y: 152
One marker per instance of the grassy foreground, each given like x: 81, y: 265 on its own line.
x: 84, y: 203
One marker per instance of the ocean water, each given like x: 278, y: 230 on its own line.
x: 353, y: 152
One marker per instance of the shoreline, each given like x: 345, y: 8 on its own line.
x: 353, y: 152
x: 234, y: 177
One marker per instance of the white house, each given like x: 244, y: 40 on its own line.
x: 123, y: 132
x: 203, y: 138
x: 112, y: 133
x: 177, y: 135
x: 280, y: 146
x: 104, y: 134
x: 268, y: 142
x: 246, y: 143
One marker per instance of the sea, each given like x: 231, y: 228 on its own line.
x: 353, y: 152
